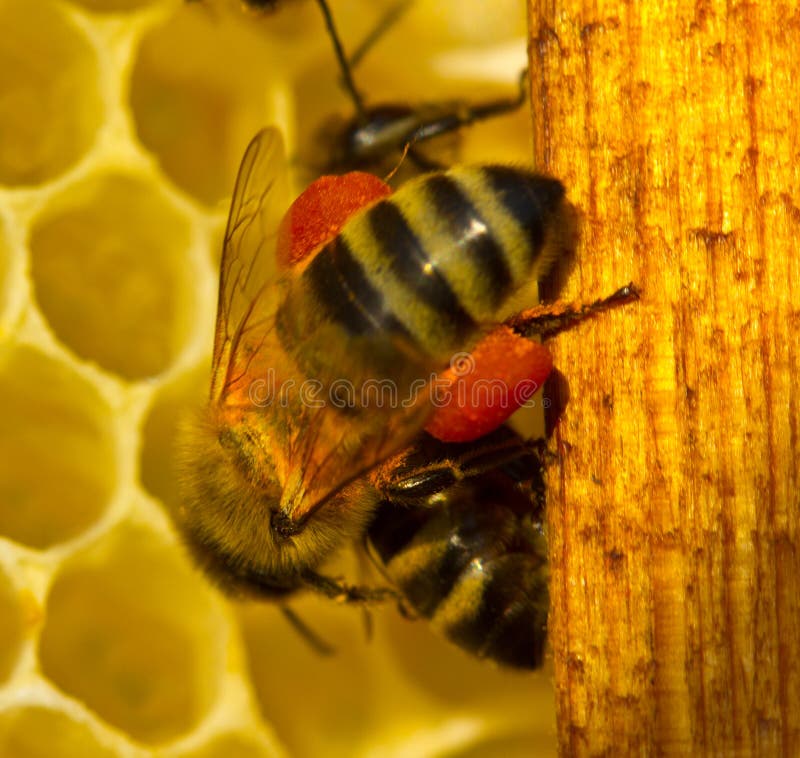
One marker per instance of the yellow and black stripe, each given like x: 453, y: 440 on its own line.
x: 431, y: 264
x: 474, y: 563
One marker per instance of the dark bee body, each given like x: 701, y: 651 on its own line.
x: 472, y: 559
x: 423, y: 271
x: 375, y: 139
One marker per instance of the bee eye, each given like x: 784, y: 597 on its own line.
x: 283, y: 526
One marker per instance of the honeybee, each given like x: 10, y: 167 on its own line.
x: 376, y: 137
x: 471, y: 558
x: 288, y: 463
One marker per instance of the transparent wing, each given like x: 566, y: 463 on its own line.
x: 277, y: 384
x: 340, y: 436
x: 248, y: 263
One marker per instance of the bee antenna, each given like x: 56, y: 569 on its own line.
x: 407, y: 147
x: 347, y: 74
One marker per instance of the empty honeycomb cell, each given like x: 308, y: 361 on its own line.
x: 339, y: 690
x: 38, y: 732
x: 231, y: 746
x: 50, y: 107
x: 110, y: 270
x: 57, y: 461
x: 11, y: 628
x: 174, y: 403
x: 199, y: 91
x: 130, y: 631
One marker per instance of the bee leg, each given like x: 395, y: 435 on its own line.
x: 404, y: 611
x: 402, y: 608
x: 417, y: 485
x: 344, y: 65
x: 469, y: 114
x: 363, y: 562
x: 367, y: 618
x: 550, y: 319
x: 306, y: 632
x: 461, y: 114
x: 347, y: 593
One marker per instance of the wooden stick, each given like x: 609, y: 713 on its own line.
x: 674, y: 507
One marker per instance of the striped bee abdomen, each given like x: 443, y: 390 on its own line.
x: 431, y: 264
x: 474, y: 564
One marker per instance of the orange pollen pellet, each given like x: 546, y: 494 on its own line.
x: 484, y: 388
x: 321, y: 210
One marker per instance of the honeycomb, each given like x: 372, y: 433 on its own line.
x: 122, y: 123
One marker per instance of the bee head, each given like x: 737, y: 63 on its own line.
x: 226, y: 517
x: 234, y: 520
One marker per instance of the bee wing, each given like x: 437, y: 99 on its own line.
x: 335, y: 445
x: 248, y: 262
x: 315, y: 446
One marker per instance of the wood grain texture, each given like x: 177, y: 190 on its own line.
x: 674, y: 508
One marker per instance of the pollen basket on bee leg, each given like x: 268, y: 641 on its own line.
x: 505, y: 371
x: 321, y: 210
